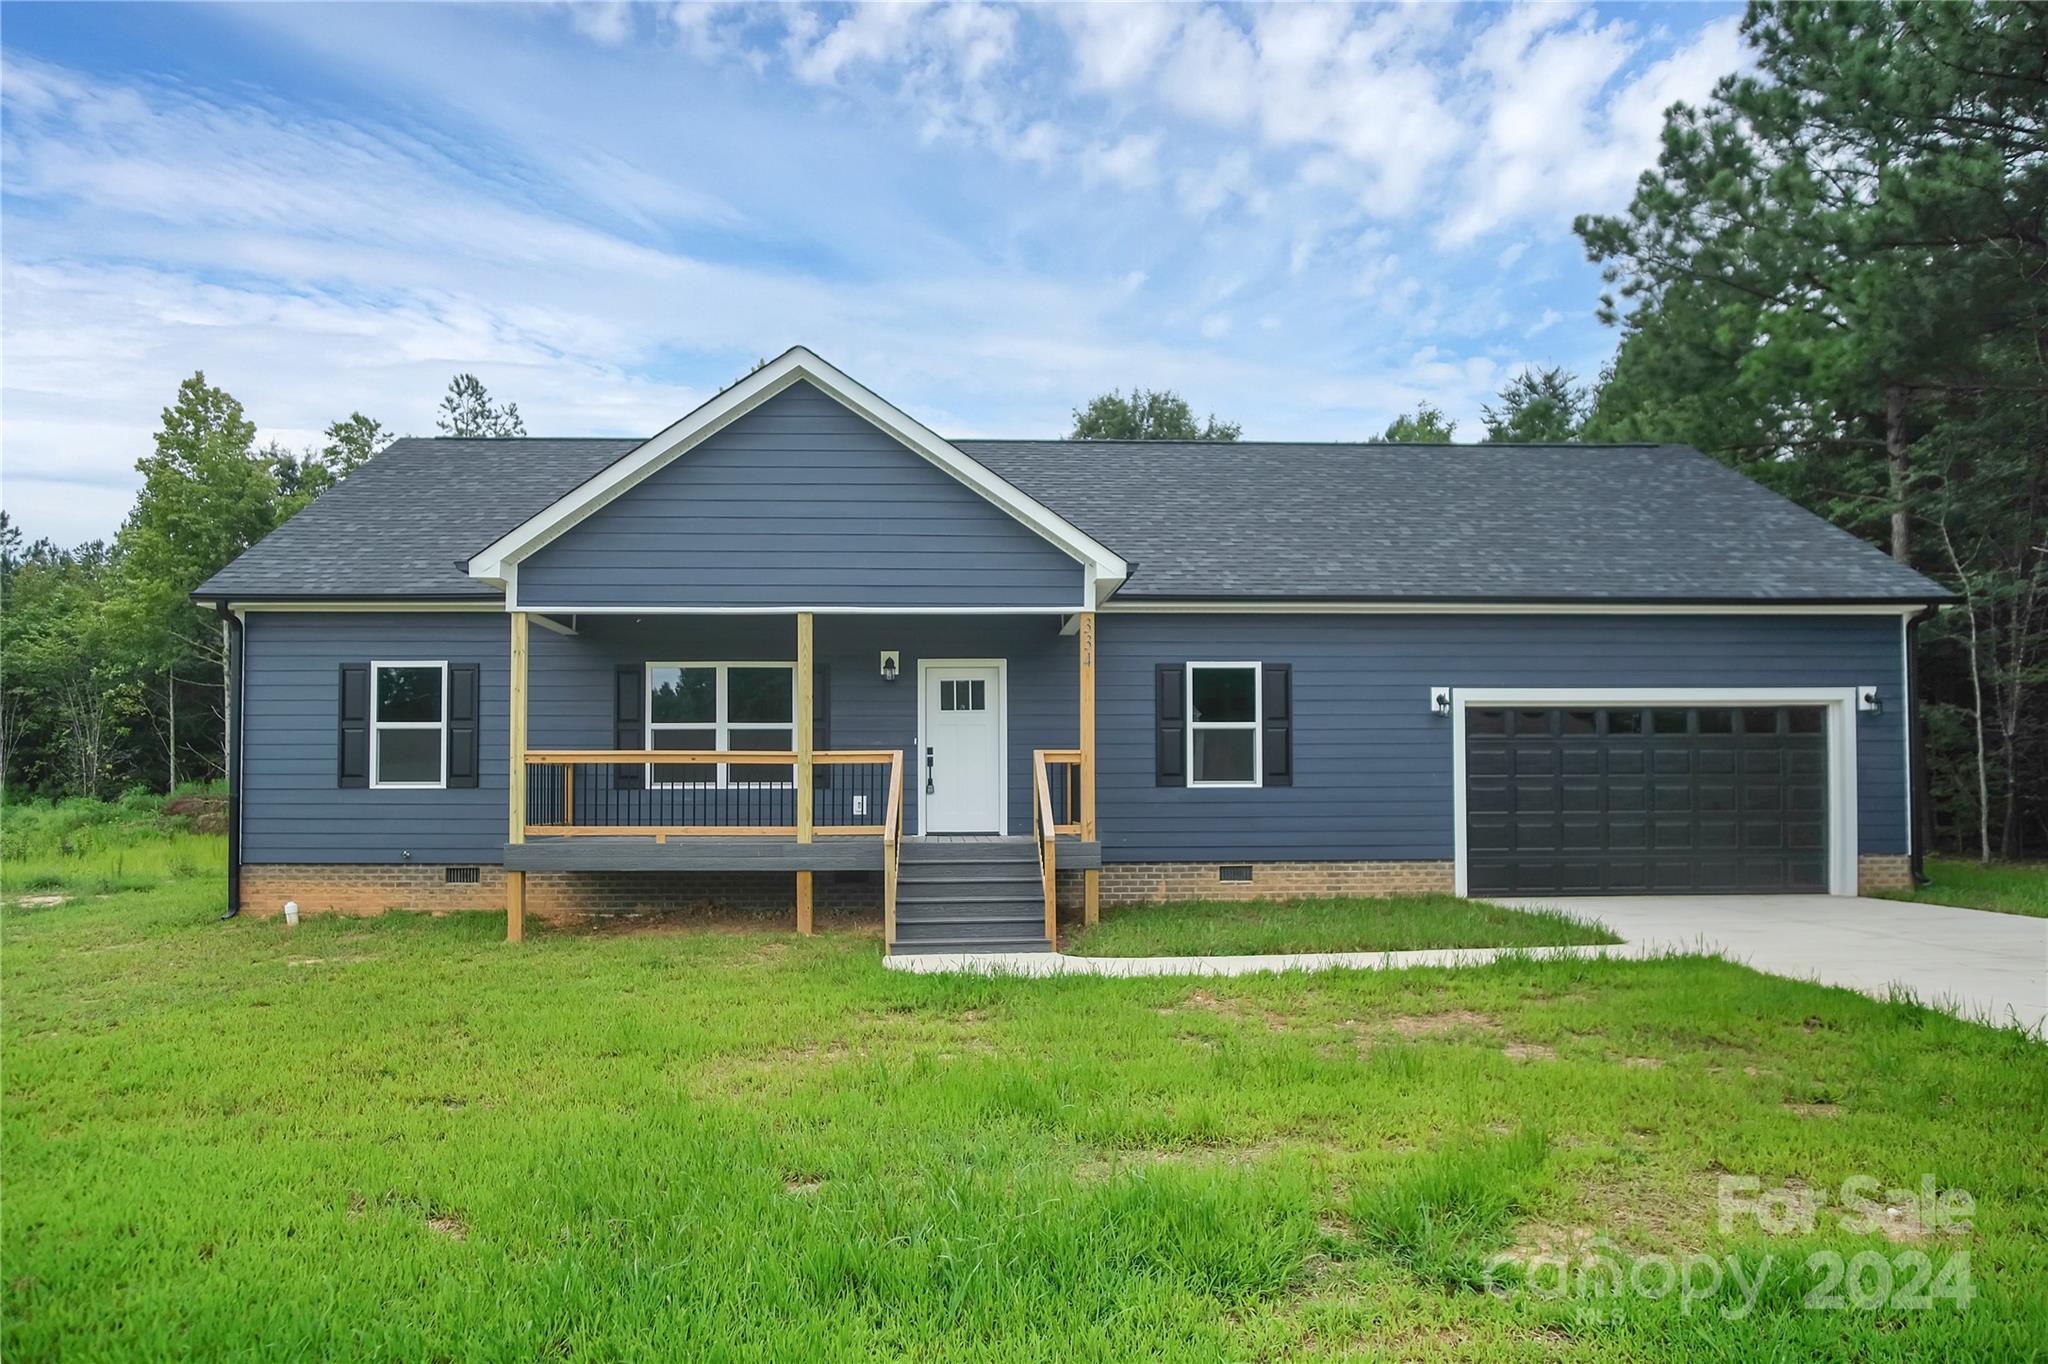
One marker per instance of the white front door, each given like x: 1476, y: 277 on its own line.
x: 961, y: 769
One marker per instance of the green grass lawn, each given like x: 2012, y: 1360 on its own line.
x: 1398, y: 923
x: 401, y: 1138
x: 2008, y: 887
x: 84, y: 847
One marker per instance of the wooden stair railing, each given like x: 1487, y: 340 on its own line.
x: 892, y: 849
x: 1047, y: 835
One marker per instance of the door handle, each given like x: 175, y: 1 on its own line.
x: 928, y: 787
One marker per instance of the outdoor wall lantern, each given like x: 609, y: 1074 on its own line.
x: 891, y: 665
x: 1440, y: 700
x: 1868, y: 699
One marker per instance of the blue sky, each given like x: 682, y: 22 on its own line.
x: 1305, y: 218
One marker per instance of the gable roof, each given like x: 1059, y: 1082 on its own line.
x: 1202, y: 520
x: 1191, y: 522
x: 797, y: 365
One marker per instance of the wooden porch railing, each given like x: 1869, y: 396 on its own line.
x: 667, y: 793
x: 1046, y: 826
x: 1063, y: 787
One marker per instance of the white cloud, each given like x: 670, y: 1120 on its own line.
x: 1558, y: 135
x: 1205, y: 189
x: 908, y: 198
x: 606, y: 22
x: 1115, y: 45
x: 1129, y: 161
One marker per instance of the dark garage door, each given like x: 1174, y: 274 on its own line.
x: 1613, y: 801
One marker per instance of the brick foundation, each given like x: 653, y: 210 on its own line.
x: 1136, y: 883
x: 340, y: 888
x: 1883, y: 872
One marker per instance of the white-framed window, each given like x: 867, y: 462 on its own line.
x: 1223, y: 724
x: 409, y: 724
x: 721, y: 706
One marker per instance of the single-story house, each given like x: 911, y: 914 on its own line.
x: 799, y: 647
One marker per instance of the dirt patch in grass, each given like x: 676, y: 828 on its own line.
x: 1641, y: 1062
x: 1202, y: 1001
x: 709, y: 918
x: 1528, y: 1051
x: 1140, y: 1159
x: 448, y: 1225
x: 1641, y: 1214
x: 1815, y: 1110
x: 1434, y: 1025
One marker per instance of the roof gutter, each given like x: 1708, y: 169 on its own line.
x: 1920, y: 825
x: 1196, y: 600
x: 236, y: 631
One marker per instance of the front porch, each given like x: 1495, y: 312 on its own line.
x: 718, y: 766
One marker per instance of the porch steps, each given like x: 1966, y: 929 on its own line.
x: 970, y: 896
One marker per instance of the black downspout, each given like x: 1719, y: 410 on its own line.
x: 234, y: 627
x: 1916, y: 752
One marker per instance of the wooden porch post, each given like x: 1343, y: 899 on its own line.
x: 805, y: 662
x: 515, y: 782
x: 1091, y: 879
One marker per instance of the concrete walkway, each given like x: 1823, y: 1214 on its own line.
x: 1979, y: 965
x: 1971, y: 962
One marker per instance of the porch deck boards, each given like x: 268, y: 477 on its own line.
x: 685, y: 852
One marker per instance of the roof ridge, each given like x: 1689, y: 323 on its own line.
x: 1347, y: 444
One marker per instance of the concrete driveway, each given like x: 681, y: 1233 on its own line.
x: 1971, y: 962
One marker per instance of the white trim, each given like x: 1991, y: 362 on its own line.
x: 1841, y: 730
x: 1067, y: 609
x: 439, y: 726
x: 1906, y: 699
x: 1002, y: 667
x: 1257, y: 727
x: 544, y: 623
x: 1500, y: 608
x: 435, y: 607
x: 1306, y: 608
x: 793, y: 366
x: 721, y: 725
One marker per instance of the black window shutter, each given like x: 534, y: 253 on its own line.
x: 629, y: 723
x: 1169, y: 700
x: 1277, y: 716
x: 821, y: 721
x: 353, y: 724
x: 464, y: 727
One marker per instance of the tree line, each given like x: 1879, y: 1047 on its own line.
x: 110, y: 676
x: 1835, y: 279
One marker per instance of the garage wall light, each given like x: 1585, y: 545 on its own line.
x: 1440, y: 700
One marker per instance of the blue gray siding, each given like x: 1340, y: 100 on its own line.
x: 292, y: 811
x: 570, y: 680
x: 800, y: 502
x: 1373, y: 766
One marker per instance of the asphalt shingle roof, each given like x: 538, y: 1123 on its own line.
x: 405, y: 523
x: 1421, y: 522
x: 1196, y: 520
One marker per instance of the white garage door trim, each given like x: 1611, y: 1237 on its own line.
x: 1841, y: 731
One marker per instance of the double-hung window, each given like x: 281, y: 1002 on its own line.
x: 731, y: 707
x: 409, y: 724
x: 1223, y: 724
